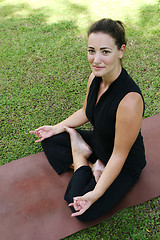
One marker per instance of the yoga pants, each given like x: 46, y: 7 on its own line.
x: 58, y: 151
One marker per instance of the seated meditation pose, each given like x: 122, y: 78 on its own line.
x: 108, y: 160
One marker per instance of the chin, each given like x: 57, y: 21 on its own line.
x: 97, y: 74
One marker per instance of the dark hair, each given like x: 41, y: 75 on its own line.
x: 113, y: 28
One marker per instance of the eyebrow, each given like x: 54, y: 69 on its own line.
x: 102, y: 48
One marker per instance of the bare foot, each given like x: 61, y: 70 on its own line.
x: 79, y: 146
x: 97, y: 169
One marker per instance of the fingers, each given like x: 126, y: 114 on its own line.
x: 71, y: 205
x: 79, y: 198
x: 80, y: 205
x: 36, y: 131
x: 39, y: 140
x: 79, y: 210
x: 38, y: 134
x: 78, y: 213
x: 76, y: 205
x: 32, y: 132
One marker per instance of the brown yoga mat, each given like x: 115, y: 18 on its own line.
x: 31, y: 193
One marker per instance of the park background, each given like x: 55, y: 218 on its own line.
x: 44, y: 72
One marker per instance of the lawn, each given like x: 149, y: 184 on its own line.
x: 44, y: 72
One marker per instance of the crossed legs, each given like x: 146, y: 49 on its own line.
x: 58, y: 150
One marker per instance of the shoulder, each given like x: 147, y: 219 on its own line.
x: 131, y: 99
x: 131, y: 105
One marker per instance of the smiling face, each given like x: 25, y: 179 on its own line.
x: 104, y: 56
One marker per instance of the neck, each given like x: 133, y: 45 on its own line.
x: 111, y: 77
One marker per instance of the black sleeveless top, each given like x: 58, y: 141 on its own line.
x: 103, y: 117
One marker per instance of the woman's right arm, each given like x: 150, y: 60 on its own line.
x: 77, y: 119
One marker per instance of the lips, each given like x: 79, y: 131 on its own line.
x: 97, y: 68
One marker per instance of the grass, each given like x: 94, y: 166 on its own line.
x: 44, y: 72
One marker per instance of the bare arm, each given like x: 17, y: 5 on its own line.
x: 77, y: 119
x: 128, y: 124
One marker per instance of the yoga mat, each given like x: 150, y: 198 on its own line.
x: 31, y: 193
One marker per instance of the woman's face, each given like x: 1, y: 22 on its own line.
x: 103, y: 55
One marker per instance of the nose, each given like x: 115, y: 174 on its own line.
x: 97, y: 58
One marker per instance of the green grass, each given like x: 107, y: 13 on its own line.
x: 44, y: 72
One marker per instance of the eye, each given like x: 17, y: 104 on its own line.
x: 106, y: 52
x: 91, y: 51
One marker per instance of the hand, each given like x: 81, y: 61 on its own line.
x: 46, y: 132
x: 81, y: 204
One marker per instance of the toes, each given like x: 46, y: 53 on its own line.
x: 97, y: 169
x: 69, y: 130
x: 98, y: 166
x: 66, y: 128
x: 97, y: 174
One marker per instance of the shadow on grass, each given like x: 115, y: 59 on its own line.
x: 40, y: 63
x: 142, y: 55
x: 149, y: 17
x: 10, y: 10
x: 68, y: 9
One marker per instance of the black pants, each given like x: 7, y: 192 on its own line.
x: 58, y: 152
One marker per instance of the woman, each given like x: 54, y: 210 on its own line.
x: 108, y: 160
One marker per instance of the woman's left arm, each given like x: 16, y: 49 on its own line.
x: 127, y: 127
